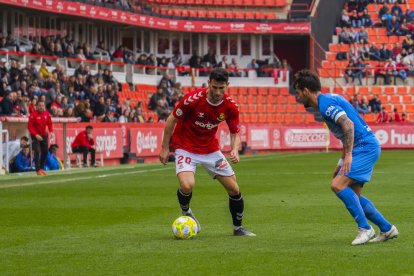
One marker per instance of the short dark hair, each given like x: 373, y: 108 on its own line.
x: 219, y: 75
x: 53, y: 147
x: 24, y: 138
x: 89, y: 127
x: 306, y: 78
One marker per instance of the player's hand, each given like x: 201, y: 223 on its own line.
x: 346, y: 167
x: 234, y: 156
x: 39, y: 138
x: 336, y: 171
x: 164, y: 156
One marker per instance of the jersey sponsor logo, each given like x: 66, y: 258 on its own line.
x: 179, y: 112
x: 200, y: 115
x: 329, y: 110
x: 207, y: 126
x: 221, y: 164
x: 193, y: 98
x: 221, y: 117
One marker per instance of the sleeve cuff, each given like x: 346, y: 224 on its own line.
x: 339, y: 115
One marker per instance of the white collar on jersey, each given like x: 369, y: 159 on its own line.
x: 214, y: 104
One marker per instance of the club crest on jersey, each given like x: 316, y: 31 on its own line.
x: 221, y: 117
x: 178, y: 112
x: 221, y: 164
x: 200, y: 115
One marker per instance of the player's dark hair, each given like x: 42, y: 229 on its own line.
x: 307, y: 79
x: 219, y: 75
x: 89, y: 127
x: 24, y: 138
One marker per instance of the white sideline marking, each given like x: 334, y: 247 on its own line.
x: 79, y: 178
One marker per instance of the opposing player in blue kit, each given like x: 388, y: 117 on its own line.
x: 361, y: 150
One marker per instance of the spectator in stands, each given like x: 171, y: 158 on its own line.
x: 375, y: 104
x: 396, y: 9
x: 345, y: 20
x: 366, y: 19
x: 363, y: 35
x: 99, y: 109
x: 162, y: 110
x: 88, y: 53
x: 84, y: 144
x: 395, y: 116
x: 353, y: 51
x: 402, y: 72
x: 382, y: 116
x: 151, y: 62
x: 109, y: 117
x: 86, y: 116
x: 101, y: 48
x: 210, y: 58
x: 374, y: 53
x: 80, y: 55
x: 354, y: 35
x: 177, y: 59
x: 3, y: 68
x: 193, y: 60
x: 22, y: 102
x: 124, y: 118
x: 393, y: 27
x: 223, y: 63
x: 383, y: 14
x: 23, y: 161
x: 385, y: 53
x: 355, y: 20
x: 364, y: 52
x: 407, y: 42
x: 52, y: 161
x: 153, y: 103
x: 345, y: 36
x: 403, y: 54
x: 234, y: 68
x: 43, y: 70
x: 119, y: 53
x: 7, y: 103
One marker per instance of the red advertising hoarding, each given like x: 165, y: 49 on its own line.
x: 198, y: 26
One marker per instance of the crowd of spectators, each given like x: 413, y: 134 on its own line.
x: 91, y: 97
x: 395, y: 60
x: 374, y: 105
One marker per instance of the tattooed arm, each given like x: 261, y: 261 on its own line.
x: 348, y: 142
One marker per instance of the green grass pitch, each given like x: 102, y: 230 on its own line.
x: 117, y: 221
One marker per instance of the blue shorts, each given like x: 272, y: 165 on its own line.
x: 363, y: 162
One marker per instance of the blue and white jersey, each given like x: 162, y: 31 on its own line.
x: 332, y: 106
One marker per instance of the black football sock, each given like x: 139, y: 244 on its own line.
x: 236, y: 205
x: 184, y: 200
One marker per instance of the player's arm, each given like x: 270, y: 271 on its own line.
x: 348, y: 142
x: 165, y: 146
x: 235, y: 145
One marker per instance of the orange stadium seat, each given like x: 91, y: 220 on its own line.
x: 395, y: 99
x: 271, y: 99
x: 270, y: 108
x: 407, y: 99
x: 389, y: 90
x: 261, y: 108
x: 281, y: 99
x: 363, y: 90
x: 252, y: 91
x: 280, y: 108
x: 309, y: 118
x: 273, y: 91
x: 402, y: 90
x: 376, y: 90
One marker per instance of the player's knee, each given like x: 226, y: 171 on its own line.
x: 336, y: 187
x: 233, y: 190
x: 186, y: 186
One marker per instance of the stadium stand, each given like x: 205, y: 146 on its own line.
x: 369, y: 58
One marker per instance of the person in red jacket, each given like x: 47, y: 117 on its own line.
x: 40, y: 123
x: 84, y: 144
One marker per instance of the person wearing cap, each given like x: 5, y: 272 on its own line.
x: 39, y: 124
